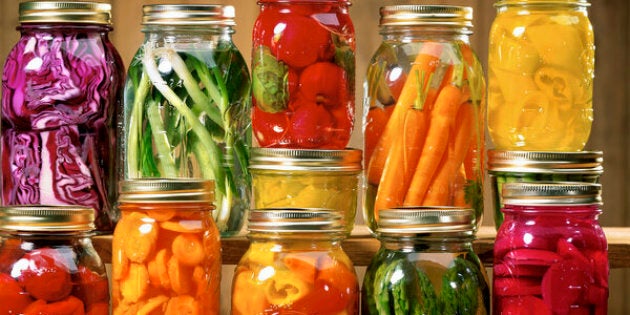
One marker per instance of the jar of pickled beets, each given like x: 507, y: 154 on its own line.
x: 303, y: 70
x: 48, y: 264
x: 550, y: 254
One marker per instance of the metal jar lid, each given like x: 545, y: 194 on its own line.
x: 421, y: 220
x: 583, y: 162
x: 427, y: 15
x: 551, y: 193
x: 38, y: 218
x: 185, y: 14
x: 295, y: 220
x: 305, y: 160
x: 74, y: 12
x: 583, y: 3
x: 162, y: 190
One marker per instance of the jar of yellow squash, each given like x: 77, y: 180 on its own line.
x: 540, y: 75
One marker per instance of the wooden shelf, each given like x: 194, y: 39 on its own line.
x: 361, y: 246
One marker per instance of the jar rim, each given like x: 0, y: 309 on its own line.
x: 427, y: 15
x: 580, y: 3
x: 549, y: 193
x: 188, y: 14
x: 47, y: 218
x: 295, y: 220
x: 583, y: 162
x: 281, y: 159
x: 429, y: 220
x: 75, y: 12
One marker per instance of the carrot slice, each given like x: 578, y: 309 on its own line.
x: 158, y: 270
x: 156, y: 303
x: 182, y: 305
x: 180, y: 276
x: 188, y: 249
x: 140, y: 237
x: 248, y: 296
x: 134, y: 287
x: 183, y: 226
x: 161, y: 215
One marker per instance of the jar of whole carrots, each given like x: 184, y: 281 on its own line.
x: 48, y: 264
x: 295, y: 265
x: 424, y: 112
x: 540, y: 75
x: 166, y: 253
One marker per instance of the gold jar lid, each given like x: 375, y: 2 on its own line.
x: 180, y: 14
x: 37, y: 218
x: 74, y: 12
x: 163, y: 190
x: 551, y: 193
x: 583, y: 162
x: 429, y: 15
x: 584, y: 3
x: 426, y: 220
x: 295, y: 220
x: 305, y: 160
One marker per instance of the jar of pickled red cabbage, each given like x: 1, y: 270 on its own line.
x: 424, y: 112
x: 295, y: 265
x: 166, y: 253
x: 550, y: 253
x: 303, y: 71
x: 540, y: 75
x: 60, y: 94
x: 48, y: 264
x: 426, y: 264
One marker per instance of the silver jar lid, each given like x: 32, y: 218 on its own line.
x: 305, y: 160
x: 74, y: 12
x: 186, y: 14
x: 295, y: 220
x: 162, y: 190
x: 551, y: 193
x: 39, y: 218
x: 427, y: 15
x: 589, y: 162
x: 420, y: 220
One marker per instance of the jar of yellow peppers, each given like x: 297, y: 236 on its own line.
x: 540, y: 75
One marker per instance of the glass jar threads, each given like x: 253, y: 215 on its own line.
x: 303, y: 70
x: 166, y: 253
x: 60, y: 93
x: 295, y: 264
x: 550, y: 254
x: 187, y: 105
x: 426, y: 264
x: 294, y: 178
x: 540, y: 75
x: 48, y: 264
x: 424, y: 105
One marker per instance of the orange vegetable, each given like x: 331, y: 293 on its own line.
x: 134, y: 287
x: 303, y: 265
x: 158, y: 270
x: 377, y: 118
x: 182, y: 305
x: 154, y: 305
x: 140, y: 236
x: 188, y: 249
x: 180, y: 276
x: 248, y: 296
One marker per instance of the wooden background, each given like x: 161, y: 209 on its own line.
x: 611, y: 23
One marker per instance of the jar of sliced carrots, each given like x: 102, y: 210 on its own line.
x: 424, y: 112
x: 540, y: 75
x: 48, y: 264
x: 166, y: 254
x: 295, y: 265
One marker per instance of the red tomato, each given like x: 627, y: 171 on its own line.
x: 262, y: 33
x: 270, y: 129
x: 300, y: 41
x: 324, y: 83
x: 12, y: 299
x: 90, y: 287
x: 311, y: 125
x: 43, y: 276
x: 343, y: 118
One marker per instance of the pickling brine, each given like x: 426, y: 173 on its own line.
x: 540, y: 75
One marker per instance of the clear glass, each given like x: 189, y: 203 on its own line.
x: 540, y: 76
x: 166, y: 256
x: 423, y: 122
x: 187, y: 114
x: 60, y: 94
x: 551, y: 260
x: 51, y: 273
x: 303, y: 71
x: 431, y: 274
x: 307, y: 273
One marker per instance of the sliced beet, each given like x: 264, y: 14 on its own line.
x: 516, y: 286
x: 523, y: 305
x: 596, y: 295
x: 568, y: 251
x: 506, y: 269
x: 564, y: 284
x: 531, y: 257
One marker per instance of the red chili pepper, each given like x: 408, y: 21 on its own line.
x: 43, y: 275
x: 90, y: 287
x: 12, y: 299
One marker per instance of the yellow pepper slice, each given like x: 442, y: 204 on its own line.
x: 284, y: 288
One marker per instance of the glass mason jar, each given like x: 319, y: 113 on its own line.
x: 531, y: 166
x: 303, y: 70
x: 540, y: 75
x: 423, y: 112
x: 426, y: 264
x: 550, y: 254
x: 324, y: 179
x: 60, y: 93
x: 187, y: 107
x: 48, y: 264
x: 166, y: 252
x: 295, y: 264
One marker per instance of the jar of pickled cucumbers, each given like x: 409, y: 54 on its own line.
x: 532, y: 166
x: 187, y: 106
x: 424, y: 112
x: 48, y: 264
x: 550, y: 253
x: 540, y: 75
x: 166, y: 253
x: 295, y: 265
x: 426, y: 264
x: 303, y: 71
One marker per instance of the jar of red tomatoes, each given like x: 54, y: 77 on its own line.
x: 48, y: 264
x: 166, y: 253
x: 295, y: 264
x: 424, y: 112
x: 550, y: 254
x: 303, y: 69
